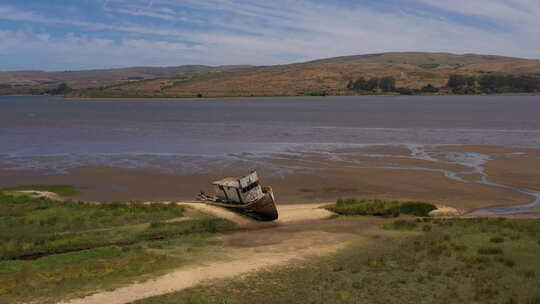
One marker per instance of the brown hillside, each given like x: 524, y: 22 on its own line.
x: 411, y: 69
x: 41, y: 80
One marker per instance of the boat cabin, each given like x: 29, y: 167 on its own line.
x: 239, y: 190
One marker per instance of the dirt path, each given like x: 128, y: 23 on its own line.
x: 186, y: 278
x: 301, y: 232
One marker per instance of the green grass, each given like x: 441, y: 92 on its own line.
x: 40, y: 226
x: 62, y: 190
x: 405, y: 263
x: 69, y: 275
x: 51, y: 250
x: 536, y: 208
x: 380, y: 208
x: 54, y: 277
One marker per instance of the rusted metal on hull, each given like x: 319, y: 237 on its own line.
x: 250, y: 199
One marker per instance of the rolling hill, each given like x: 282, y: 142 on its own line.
x: 21, y: 81
x: 410, y: 69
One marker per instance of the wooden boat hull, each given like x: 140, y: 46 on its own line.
x: 263, y: 209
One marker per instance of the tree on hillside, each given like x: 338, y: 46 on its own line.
x: 363, y: 85
x: 359, y: 85
x: 430, y: 89
x: 471, y: 81
x: 388, y: 84
x: 492, y: 83
x: 372, y: 84
x: 62, y: 89
x: 501, y: 83
x: 529, y: 83
x: 461, y: 84
x: 457, y: 82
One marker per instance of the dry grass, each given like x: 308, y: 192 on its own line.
x: 322, y: 77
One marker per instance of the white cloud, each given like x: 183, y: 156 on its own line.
x: 513, y: 11
x: 280, y: 31
x: 81, y: 52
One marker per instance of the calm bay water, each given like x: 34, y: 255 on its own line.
x: 51, y: 132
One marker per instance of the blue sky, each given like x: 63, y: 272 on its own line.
x: 86, y: 34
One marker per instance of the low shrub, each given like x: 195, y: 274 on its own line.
x: 380, y: 208
x: 459, y: 248
x: 507, y: 261
x: 426, y: 228
x: 478, y: 260
x: 489, y: 250
x: 529, y: 274
x: 497, y: 239
x: 417, y: 208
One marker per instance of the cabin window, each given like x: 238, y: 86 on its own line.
x: 250, y: 187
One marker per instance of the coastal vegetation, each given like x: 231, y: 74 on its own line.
x: 380, y: 208
x: 52, y: 249
x: 410, y: 261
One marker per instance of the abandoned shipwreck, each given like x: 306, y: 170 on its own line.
x: 243, y: 194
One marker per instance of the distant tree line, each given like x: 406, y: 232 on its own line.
x: 62, y: 89
x: 387, y: 85
x: 492, y: 83
x: 8, y: 89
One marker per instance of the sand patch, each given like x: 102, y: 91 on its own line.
x: 302, y: 212
x: 242, y: 222
x: 46, y: 194
x: 444, y: 211
x: 287, y: 214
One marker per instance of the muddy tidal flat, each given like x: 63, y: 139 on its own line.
x: 317, y: 177
x: 468, y: 152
